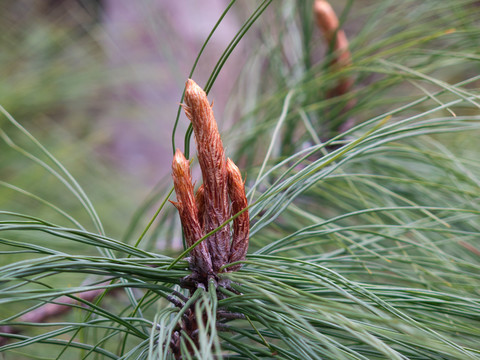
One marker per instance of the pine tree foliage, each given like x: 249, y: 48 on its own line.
x: 363, y: 244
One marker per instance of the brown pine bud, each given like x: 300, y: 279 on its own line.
x: 241, y: 224
x: 211, y: 157
x: 328, y: 23
x: 326, y: 19
x: 187, y: 209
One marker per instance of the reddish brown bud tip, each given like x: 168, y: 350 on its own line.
x: 180, y: 165
x: 194, y: 93
x: 328, y: 23
x: 326, y: 18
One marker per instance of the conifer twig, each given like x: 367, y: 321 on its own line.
x: 211, y: 157
x: 209, y: 210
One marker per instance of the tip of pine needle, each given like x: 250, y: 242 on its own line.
x: 384, y: 120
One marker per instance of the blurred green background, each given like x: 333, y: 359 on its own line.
x: 98, y: 84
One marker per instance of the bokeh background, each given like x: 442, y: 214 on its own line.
x: 99, y: 83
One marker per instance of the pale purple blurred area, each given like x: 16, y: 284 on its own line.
x: 152, y: 45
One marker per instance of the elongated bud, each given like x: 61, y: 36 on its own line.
x: 187, y: 209
x: 326, y: 19
x: 328, y: 23
x: 211, y: 157
x: 241, y: 224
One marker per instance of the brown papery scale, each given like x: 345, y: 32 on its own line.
x: 211, y: 158
x: 200, y: 202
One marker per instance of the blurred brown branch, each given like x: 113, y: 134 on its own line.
x: 50, y: 310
